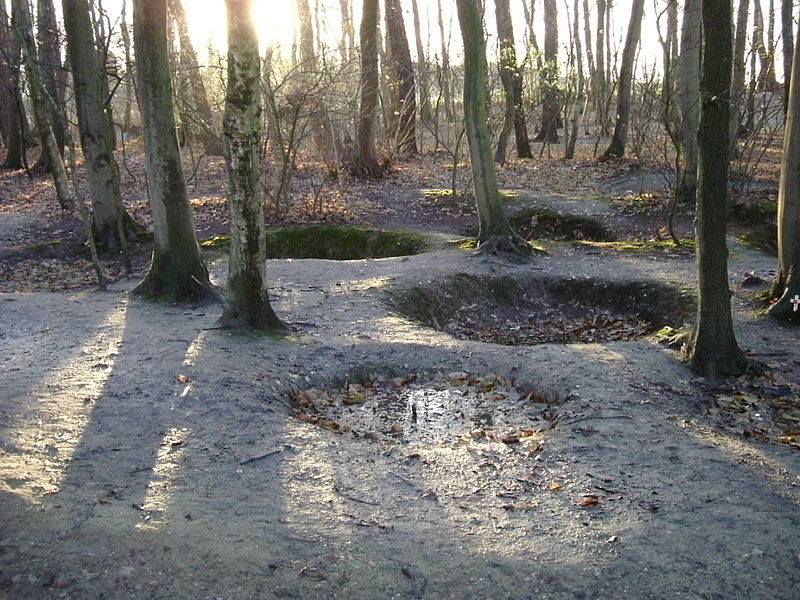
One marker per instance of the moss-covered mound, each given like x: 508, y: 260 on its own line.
x: 334, y: 242
x: 508, y: 311
x: 543, y: 223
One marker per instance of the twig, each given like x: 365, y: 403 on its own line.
x: 353, y: 498
x: 595, y: 418
x: 247, y: 461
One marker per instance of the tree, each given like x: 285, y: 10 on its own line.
x: 495, y: 233
x: 11, y: 116
x: 248, y: 304
x: 739, y: 73
x: 23, y: 29
x: 624, y: 87
x: 689, y: 96
x: 52, y: 74
x: 549, y: 75
x: 787, y: 284
x: 404, y: 95
x: 188, y: 60
x: 711, y: 349
x: 511, y: 77
x: 176, y: 272
x: 366, y: 164
x: 575, y: 113
x: 422, y: 68
x: 788, y: 48
x: 112, y: 223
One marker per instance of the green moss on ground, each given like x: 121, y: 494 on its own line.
x: 641, y: 246
x: 762, y: 238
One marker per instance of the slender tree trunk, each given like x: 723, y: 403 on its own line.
x: 422, y: 68
x: 689, y: 96
x: 10, y: 95
x: 788, y: 48
x: 248, y: 306
x: 188, y: 59
x: 96, y: 137
x: 549, y: 76
x: 624, y: 88
x: 511, y: 77
x: 587, y: 33
x: 444, y: 82
x: 766, y: 65
x: 347, y: 42
x: 52, y: 73
x: 712, y: 350
x: 787, y: 285
x: 579, y: 102
x: 176, y: 272
x: 495, y: 235
x: 404, y: 83
x: 739, y: 74
x: 366, y: 163
x: 23, y: 29
x: 599, y: 84
x: 129, y: 92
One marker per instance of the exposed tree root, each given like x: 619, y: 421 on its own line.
x: 509, y: 247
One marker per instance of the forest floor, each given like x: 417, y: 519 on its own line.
x: 369, y: 455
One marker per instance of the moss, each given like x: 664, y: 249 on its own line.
x: 534, y: 223
x: 641, y: 246
x: 333, y: 242
x: 762, y: 238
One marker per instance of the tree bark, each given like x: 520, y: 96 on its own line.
x: 176, y: 272
x: 23, y: 29
x: 188, y: 59
x: 579, y: 102
x: 599, y: 84
x: 248, y: 306
x: 404, y: 94
x: 712, y: 350
x: 495, y: 233
x: 788, y: 48
x: 549, y: 75
x: 787, y: 284
x: 366, y: 163
x: 423, y: 83
x: 511, y: 77
x: 10, y: 95
x: 766, y: 75
x: 444, y: 69
x: 96, y: 137
x: 347, y: 42
x: 689, y: 96
x: 739, y: 74
x: 53, y: 75
x: 619, y: 139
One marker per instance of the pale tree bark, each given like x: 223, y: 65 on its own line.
x: 495, y: 233
x: 128, y: 83
x: 766, y: 64
x: 579, y: 101
x: 52, y: 71
x: 739, y: 74
x: 549, y: 76
x: 599, y: 80
x: 176, y: 272
x: 712, y: 349
x: 404, y: 94
x: 787, y: 42
x: 422, y: 67
x: 347, y: 42
x: 23, y: 29
x: 444, y: 67
x: 689, y: 96
x: 511, y: 77
x: 787, y: 284
x: 624, y: 87
x: 587, y: 32
x: 112, y: 224
x: 248, y: 305
x: 366, y: 163
x: 10, y: 94
x: 187, y: 58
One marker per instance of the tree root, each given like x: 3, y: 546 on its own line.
x: 509, y: 247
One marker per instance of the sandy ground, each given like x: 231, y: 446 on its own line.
x: 144, y: 454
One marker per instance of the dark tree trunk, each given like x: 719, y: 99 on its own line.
x: 788, y: 48
x: 423, y: 74
x: 624, y: 88
x: 549, y: 75
x: 599, y: 83
x: 495, y: 233
x: 739, y: 74
x: 366, y: 163
x: 689, y: 97
x: 10, y: 96
x: 248, y: 304
x: 96, y: 137
x: 53, y: 75
x: 176, y: 272
x: 404, y: 93
x: 712, y: 350
x: 511, y: 77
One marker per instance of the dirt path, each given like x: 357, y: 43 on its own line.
x: 144, y: 455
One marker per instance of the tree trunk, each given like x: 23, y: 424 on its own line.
x: 787, y: 285
x: 347, y: 42
x: 10, y: 96
x: 403, y: 82
x: 422, y: 68
x: 689, y: 96
x: 739, y: 74
x: 366, y: 163
x: 624, y: 87
x: 188, y: 59
x: 248, y: 306
x: 766, y: 75
x: 23, y: 29
x: 101, y: 167
x: 788, y: 48
x: 52, y: 75
x: 599, y: 80
x: 176, y: 272
x: 129, y: 92
x: 579, y: 102
x: 511, y: 77
x: 712, y: 350
x: 495, y: 233
x: 444, y: 79
x: 549, y: 75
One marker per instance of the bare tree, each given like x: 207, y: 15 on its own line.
x: 52, y: 72
x: 689, y: 96
x: 788, y: 48
x: 551, y: 107
x: 11, y: 107
x: 366, y: 163
x: 404, y: 93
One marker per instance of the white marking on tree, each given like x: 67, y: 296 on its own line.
x: 796, y: 302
